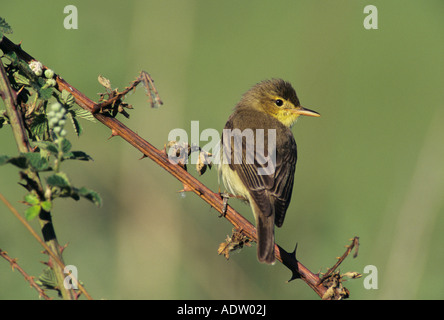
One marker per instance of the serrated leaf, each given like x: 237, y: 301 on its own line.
x: 65, y: 145
x: 58, y: 180
x: 91, y: 195
x: 45, y: 93
x: 84, y: 114
x: 67, y: 98
x: 39, y: 126
x: 32, y: 199
x: 32, y: 212
x: 76, y: 124
x: 47, y: 280
x: 36, y: 161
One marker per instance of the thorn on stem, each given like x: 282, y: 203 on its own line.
x: 62, y: 248
x: 113, y: 134
x: 186, y: 188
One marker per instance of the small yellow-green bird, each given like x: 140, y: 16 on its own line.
x: 258, y: 160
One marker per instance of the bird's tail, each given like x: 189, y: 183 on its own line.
x: 265, y: 236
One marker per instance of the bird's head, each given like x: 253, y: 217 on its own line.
x: 277, y: 98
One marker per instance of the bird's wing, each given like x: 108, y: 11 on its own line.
x: 283, y: 182
x: 271, y: 193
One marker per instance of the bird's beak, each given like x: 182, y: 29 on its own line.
x: 305, y: 112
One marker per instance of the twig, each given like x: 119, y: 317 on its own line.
x: 355, y: 243
x: 115, y: 96
x: 30, y: 279
x: 43, y: 244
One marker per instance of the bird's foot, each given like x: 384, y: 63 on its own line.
x: 225, y: 196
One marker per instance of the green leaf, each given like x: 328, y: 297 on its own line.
x: 53, y: 148
x: 84, y: 114
x: 4, y: 27
x: 67, y: 98
x: 20, y: 162
x: 25, y: 160
x: 77, y: 155
x: 32, y: 199
x: 39, y: 126
x: 46, y: 205
x: 66, y: 145
x: 32, y: 212
x: 75, y: 123
x: 91, y: 195
x: 21, y: 79
x: 47, y: 280
x: 58, y: 180
x: 36, y: 161
x: 45, y: 93
x: 12, y: 56
x: 49, y: 146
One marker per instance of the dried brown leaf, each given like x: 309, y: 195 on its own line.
x: 104, y: 82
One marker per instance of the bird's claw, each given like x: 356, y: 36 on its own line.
x: 225, y: 196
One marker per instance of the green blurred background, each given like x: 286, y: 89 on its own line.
x: 372, y: 166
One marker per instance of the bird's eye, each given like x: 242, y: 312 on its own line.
x: 279, y: 102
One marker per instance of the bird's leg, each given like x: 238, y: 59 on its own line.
x: 225, y: 196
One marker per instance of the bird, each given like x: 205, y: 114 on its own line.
x: 259, y: 154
